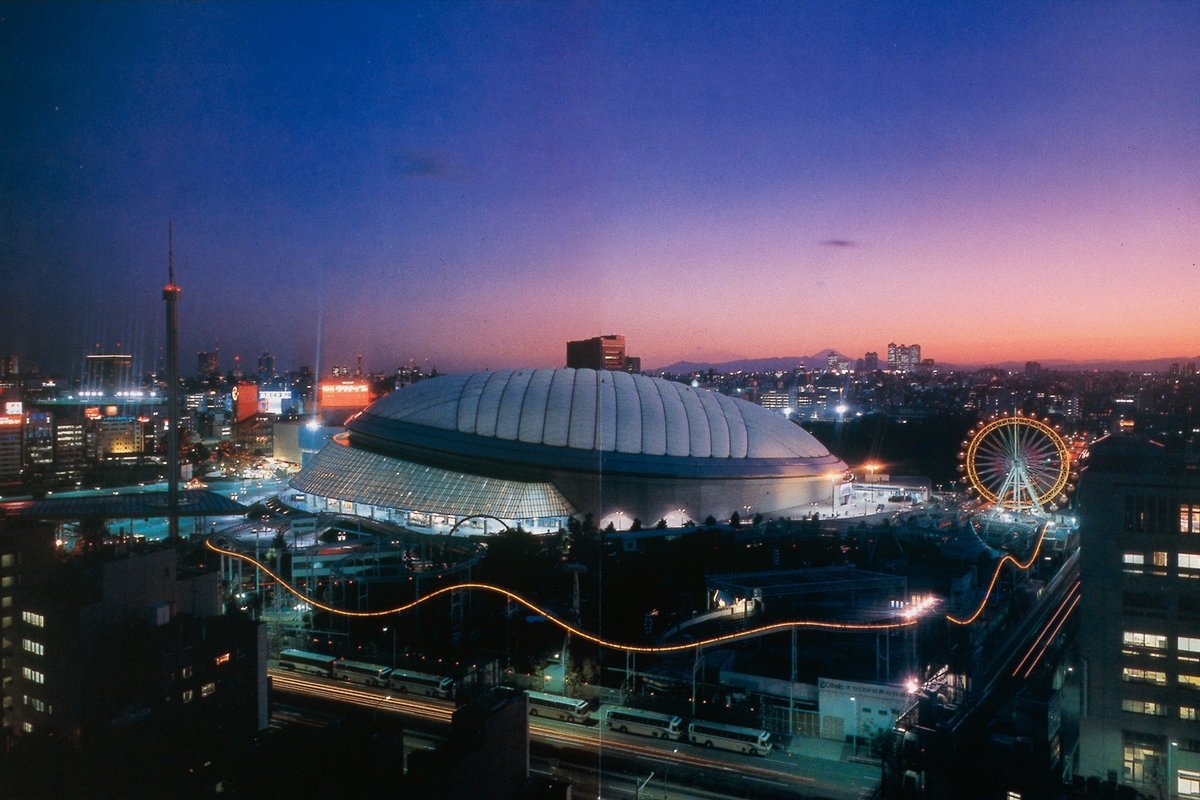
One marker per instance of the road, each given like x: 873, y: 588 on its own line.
x: 604, y: 763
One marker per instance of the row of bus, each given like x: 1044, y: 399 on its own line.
x: 362, y: 672
x: 650, y: 723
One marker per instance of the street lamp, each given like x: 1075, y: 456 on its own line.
x: 637, y: 793
x: 854, y: 703
x: 393, y: 629
x: 1171, y: 775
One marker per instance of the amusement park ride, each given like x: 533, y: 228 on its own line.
x: 1017, y: 464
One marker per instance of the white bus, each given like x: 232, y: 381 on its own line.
x: 557, y: 706
x: 303, y: 661
x: 361, y: 672
x: 729, y: 737
x: 646, y: 723
x: 403, y: 680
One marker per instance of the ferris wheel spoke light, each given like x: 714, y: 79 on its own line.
x: 1017, y: 463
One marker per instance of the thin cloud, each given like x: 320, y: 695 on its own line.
x: 838, y: 243
x: 423, y: 164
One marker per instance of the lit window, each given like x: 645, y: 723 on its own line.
x: 1151, y: 641
x: 1159, y: 558
x: 30, y: 618
x: 1133, y: 558
x: 207, y: 689
x: 1189, y: 681
x: 32, y: 675
x: 1144, y: 707
x: 30, y: 646
x: 188, y: 694
x: 185, y: 673
x: 1189, y: 783
x: 27, y: 727
x: 1189, y: 644
x: 1189, y: 518
x: 1187, y: 712
x: 1189, y: 560
x: 1139, y: 675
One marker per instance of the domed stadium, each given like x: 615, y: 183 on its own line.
x: 538, y: 446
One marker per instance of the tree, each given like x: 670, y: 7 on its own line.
x: 637, y: 525
x: 735, y: 519
x: 661, y: 525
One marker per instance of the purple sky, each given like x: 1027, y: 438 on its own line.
x: 473, y: 184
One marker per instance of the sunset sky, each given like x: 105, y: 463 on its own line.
x: 472, y: 184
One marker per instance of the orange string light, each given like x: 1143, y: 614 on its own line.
x: 634, y: 648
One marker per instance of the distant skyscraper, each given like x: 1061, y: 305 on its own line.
x: 208, y: 364
x: 1140, y: 618
x: 871, y: 361
x: 107, y: 372
x: 266, y: 367
x: 601, y: 352
x: 903, y: 357
x: 10, y: 367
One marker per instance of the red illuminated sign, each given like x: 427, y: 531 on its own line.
x: 344, y: 394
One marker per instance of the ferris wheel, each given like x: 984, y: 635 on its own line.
x: 1018, y: 464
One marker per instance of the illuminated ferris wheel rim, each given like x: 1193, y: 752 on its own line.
x: 1026, y: 464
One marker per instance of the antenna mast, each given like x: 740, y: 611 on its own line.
x: 171, y: 294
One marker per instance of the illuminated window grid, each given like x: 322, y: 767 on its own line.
x: 1149, y: 707
x: 1188, y: 786
x: 1189, y: 517
x: 1138, y: 643
x: 1139, y: 675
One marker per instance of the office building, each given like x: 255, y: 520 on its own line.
x: 903, y: 357
x: 602, y: 352
x: 123, y: 658
x: 107, y: 373
x: 1139, y: 508
x: 26, y: 558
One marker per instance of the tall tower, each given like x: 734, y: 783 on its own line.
x: 171, y: 296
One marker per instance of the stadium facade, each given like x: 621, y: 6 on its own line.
x: 538, y: 446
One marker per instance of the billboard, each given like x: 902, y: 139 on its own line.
x: 245, y: 400
x: 344, y: 394
x: 274, y: 401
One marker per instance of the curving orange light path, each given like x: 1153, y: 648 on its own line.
x: 635, y: 648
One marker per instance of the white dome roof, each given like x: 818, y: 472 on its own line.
x: 589, y: 410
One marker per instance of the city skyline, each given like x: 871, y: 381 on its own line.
x: 474, y: 185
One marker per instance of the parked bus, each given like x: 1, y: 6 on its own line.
x: 361, y: 672
x: 729, y: 737
x: 403, y: 680
x: 557, y: 707
x: 303, y: 661
x: 646, y: 723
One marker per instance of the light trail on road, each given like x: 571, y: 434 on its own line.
x: 546, y: 732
